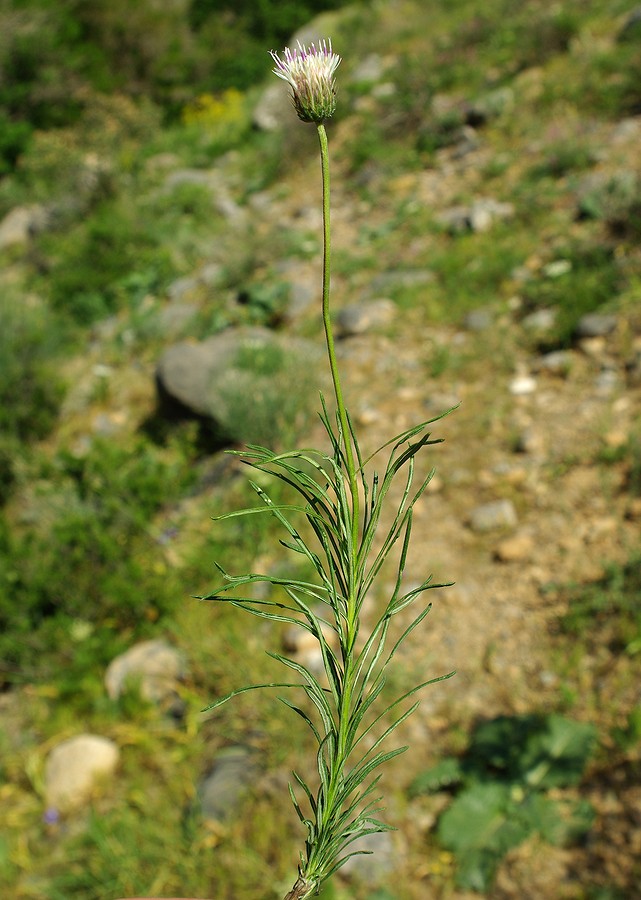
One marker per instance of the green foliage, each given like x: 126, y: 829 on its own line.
x: 501, y: 784
x: 617, y: 202
x: 107, y: 263
x: 82, y: 557
x: 14, y: 138
x: 30, y: 386
x: 591, y: 281
x: 346, y: 560
x: 265, y: 304
x: 563, y: 158
x: 607, y: 610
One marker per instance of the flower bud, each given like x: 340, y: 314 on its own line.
x: 310, y: 72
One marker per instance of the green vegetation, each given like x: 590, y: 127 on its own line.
x: 607, y: 611
x: 126, y: 133
x: 503, y: 787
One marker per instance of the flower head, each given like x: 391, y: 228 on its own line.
x: 310, y: 72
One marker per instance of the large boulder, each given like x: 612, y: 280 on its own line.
x: 250, y: 383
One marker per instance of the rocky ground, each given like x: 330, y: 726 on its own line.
x: 537, y: 480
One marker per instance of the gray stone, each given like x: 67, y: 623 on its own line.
x: 559, y: 362
x: 205, y: 178
x: 541, y: 320
x: 174, y: 318
x: 218, y: 376
x: 274, y: 108
x: 21, y: 224
x: 479, y: 320
x: 490, y: 106
x: 497, y: 514
x: 74, y: 767
x: 182, y: 287
x: 369, y: 69
x: 155, y: 667
x: 478, y: 217
x: 595, y: 325
x: 631, y: 29
x: 400, y: 279
x: 379, y: 862
x: 359, y: 318
x: 221, y: 790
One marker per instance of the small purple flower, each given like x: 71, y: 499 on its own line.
x: 51, y: 816
x: 310, y: 72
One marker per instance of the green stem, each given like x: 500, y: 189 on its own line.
x: 331, y: 352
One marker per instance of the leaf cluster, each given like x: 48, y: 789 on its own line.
x: 344, y: 711
x: 501, y: 787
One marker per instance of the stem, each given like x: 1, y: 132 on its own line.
x: 331, y: 352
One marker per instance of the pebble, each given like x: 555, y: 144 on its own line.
x: 514, y: 549
x: 359, y: 318
x: 541, y: 320
x: 221, y: 790
x: 522, y: 385
x: 559, y: 362
x: 530, y: 441
x: 74, y: 767
x: 155, y: 666
x: 595, y: 325
x: 497, y: 514
x: 478, y: 320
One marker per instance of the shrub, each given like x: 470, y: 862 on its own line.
x: 30, y: 388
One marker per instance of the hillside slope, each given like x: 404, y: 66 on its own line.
x: 487, y: 221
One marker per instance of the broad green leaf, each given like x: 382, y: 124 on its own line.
x: 482, y: 817
x: 444, y: 774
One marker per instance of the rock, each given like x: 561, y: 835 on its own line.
x: 74, y: 767
x: 490, y: 106
x: 631, y: 29
x: 400, y: 279
x: 541, y: 320
x: 214, y: 182
x: 608, y: 195
x: 514, y: 549
x: 359, y: 318
x: 522, y: 385
x: 234, y: 378
x: 478, y: 217
x: 370, y: 69
x: 607, y: 381
x: 182, y: 287
x: 154, y: 666
x: 479, y: 320
x: 559, y: 362
x: 498, y: 514
x: 595, y: 325
x: 175, y: 317
x: 21, y: 224
x: 530, y: 441
x: 274, y: 108
x: 557, y: 268
x: 379, y: 862
x: 220, y: 791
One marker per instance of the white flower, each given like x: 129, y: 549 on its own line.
x: 310, y: 72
